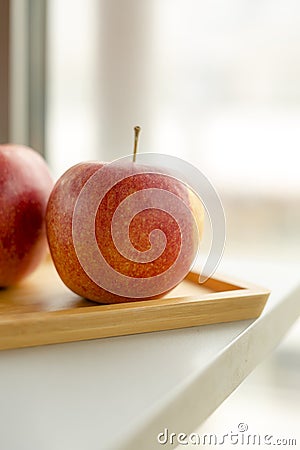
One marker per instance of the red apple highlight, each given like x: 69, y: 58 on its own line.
x: 25, y: 186
x: 126, y: 243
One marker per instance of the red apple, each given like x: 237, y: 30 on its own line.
x: 25, y: 186
x: 82, y: 224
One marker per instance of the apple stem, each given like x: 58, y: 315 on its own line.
x: 136, y: 140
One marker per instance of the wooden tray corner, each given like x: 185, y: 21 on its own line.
x: 42, y: 310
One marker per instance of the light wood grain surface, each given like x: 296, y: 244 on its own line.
x: 42, y: 310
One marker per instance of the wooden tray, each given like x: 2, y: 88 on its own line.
x: 42, y: 310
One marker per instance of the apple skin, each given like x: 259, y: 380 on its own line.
x: 25, y: 186
x: 59, y: 218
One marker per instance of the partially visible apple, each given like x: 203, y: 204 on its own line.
x: 25, y: 186
x: 60, y: 228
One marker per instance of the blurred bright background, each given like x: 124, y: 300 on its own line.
x: 215, y: 83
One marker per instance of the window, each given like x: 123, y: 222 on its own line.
x: 214, y: 83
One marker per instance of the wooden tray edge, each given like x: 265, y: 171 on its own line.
x: 244, y: 301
